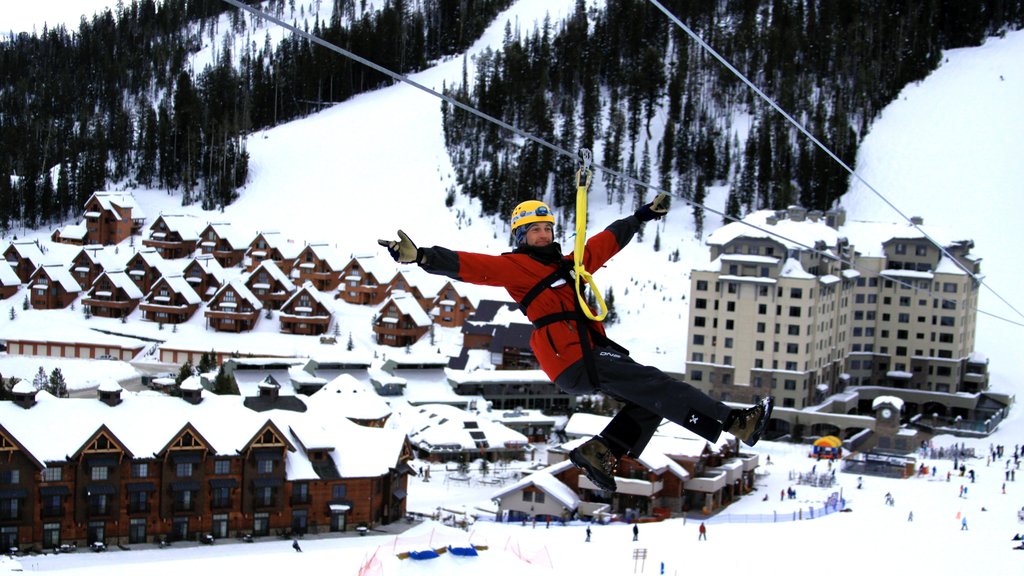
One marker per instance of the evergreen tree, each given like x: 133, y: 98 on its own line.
x: 609, y: 301
x: 184, y: 373
x: 57, y: 385
x: 224, y: 383
x: 41, y: 381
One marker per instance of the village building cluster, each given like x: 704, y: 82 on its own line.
x: 321, y: 444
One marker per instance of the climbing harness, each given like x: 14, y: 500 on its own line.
x: 583, y: 178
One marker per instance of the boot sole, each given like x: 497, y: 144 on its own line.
x: 762, y: 424
x: 590, y: 472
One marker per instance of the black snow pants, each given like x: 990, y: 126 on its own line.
x: 648, y: 395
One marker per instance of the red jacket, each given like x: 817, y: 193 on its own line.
x: 555, y: 345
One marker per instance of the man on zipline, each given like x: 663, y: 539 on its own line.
x: 573, y: 350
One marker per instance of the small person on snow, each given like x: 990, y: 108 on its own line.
x: 703, y: 532
x: 588, y: 533
x: 295, y: 545
x: 573, y: 350
x: 636, y: 533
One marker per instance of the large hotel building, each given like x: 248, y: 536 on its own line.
x: 802, y: 305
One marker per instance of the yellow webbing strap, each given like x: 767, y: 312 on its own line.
x: 583, y: 177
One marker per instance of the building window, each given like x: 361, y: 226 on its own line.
x: 265, y: 466
x: 99, y: 473
x: 183, y: 469
x: 698, y: 357
x: 53, y: 474
x: 796, y: 292
x: 700, y: 303
x: 702, y: 285
x: 140, y: 470
x: 794, y: 311
x: 338, y: 491
x: 221, y: 467
x: 698, y: 339
x: 696, y: 375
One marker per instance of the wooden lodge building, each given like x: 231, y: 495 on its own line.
x: 143, y: 469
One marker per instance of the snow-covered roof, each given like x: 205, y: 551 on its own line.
x: 120, y: 199
x: 61, y: 275
x: 228, y: 232
x: 186, y: 225
x: 76, y: 231
x: 895, y: 401
x: 275, y: 272
x: 7, y: 275
x: 383, y: 269
x: 210, y: 266
x: 316, y: 295
x: 348, y: 397
x: 546, y: 481
x: 327, y: 254
x: 179, y: 284
x: 243, y: 292
x: 120, y: 279
x: 409, y: 306
x: 145, y: 424
x: 29, y: 250
x: 433, y: 426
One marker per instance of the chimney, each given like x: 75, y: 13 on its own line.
x: 24, y: 394
x: 917, y: 220
x: 110, y: 392
x: 797, y: 213
x: 814, y: 215
x: 269, y: 388
x: 191, y: 391
x: 835, y: 218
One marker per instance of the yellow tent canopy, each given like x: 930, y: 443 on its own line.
x: 829, y: 441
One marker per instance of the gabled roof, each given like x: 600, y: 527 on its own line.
x: 59, y: 274
x: 186, y: 225
x: 151, y: 258
x: 408, y: 306
x: 120, y: 280
x: 381, y: 269
x: 108, y: 200
x: 275, y: 272
x: 545, y: 480
x: 226, y: 231
x: 308, y: 288
x: 179, y: 285
x: 346, y: 396
x: 243, y: 292
x: 286, y: 246
x: 145, y: 424
x: 326, y: 254
x: 7, y: 275
x: 29, y: 250
x: 210, y: 266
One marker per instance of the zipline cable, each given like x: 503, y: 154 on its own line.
x: 771, y: 102
x: 562, y: 151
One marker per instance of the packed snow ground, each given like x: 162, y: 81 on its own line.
x: 947, y: 150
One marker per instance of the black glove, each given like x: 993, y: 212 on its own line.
x: 402, y: 250
x: 654, y: 210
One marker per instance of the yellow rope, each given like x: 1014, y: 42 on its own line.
x: 583, y: 177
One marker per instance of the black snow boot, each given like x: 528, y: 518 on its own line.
x: 749, y: 424
x: 597, y: 461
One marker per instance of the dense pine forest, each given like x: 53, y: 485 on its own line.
x: 117, y: 101
x: 631, y: 85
